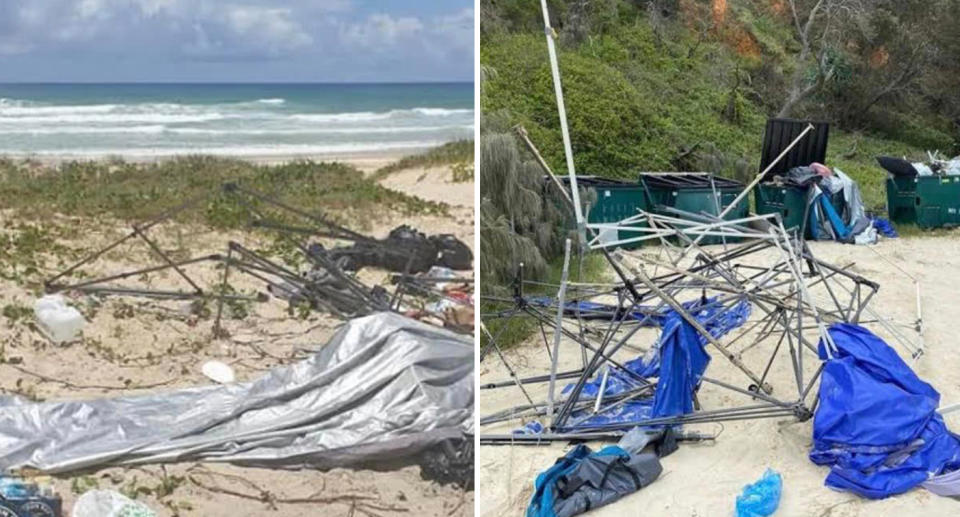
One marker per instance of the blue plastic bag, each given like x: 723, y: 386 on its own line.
x: 885, y: 227
x: 762, y: 498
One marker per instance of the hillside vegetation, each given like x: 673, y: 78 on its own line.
x: 688, y: 85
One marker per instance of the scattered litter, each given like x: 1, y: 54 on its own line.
x: 61, y: 322
x: 218, y: 372
x: 439, y: 272
x: 21, y: 498
x: 108, y: 503
x: 761, y: 498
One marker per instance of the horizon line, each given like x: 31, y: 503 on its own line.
x: 244, y: 82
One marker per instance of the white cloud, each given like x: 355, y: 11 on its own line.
x: 199, y: 28
x: 382, y: 33
x: 381, y: 30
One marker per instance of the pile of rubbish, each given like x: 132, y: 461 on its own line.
x: 756, y: 305
x: 834, y: 205
x: 934, y: 166
x: 328, y: 282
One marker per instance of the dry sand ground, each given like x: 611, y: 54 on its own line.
x: 704, y: 479
x: 132, y: 346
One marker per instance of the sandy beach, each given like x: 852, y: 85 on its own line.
x: 365, y: 161
x: 136, y: 346
x: 703, y: 479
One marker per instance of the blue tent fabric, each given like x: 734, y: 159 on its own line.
x: 822, y: 208
x: 836, y: 221
x: 679, y: 361
x: 593, y: 310
x: 683, y: 359
x: 876, y: 423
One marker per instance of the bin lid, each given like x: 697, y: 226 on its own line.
x: 686, y: 180
x: 897, y: 166
x: 594, y: 181
x: 780, y: 132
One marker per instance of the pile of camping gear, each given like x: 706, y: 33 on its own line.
x: 329, y: 281
x: 812, y: 199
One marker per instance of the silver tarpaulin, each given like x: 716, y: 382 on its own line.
x: 384, y: 387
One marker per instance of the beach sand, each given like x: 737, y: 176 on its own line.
x: 131, y: 343
x: 703, y: 479
x: 366, y: 161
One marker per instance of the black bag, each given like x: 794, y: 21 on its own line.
x: 452, y: 252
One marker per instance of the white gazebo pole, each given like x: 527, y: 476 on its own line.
x: 567, y: 149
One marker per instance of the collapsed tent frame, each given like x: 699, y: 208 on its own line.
x: 783, y: 318
x: 353, y: 294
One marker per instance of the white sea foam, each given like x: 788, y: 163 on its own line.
x: 157, y: 129
x: 441, y: 112
x: 271, y: 124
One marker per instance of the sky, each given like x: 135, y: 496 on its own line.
x: 236, y: 40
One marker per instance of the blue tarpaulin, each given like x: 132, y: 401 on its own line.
x: 876, y: 424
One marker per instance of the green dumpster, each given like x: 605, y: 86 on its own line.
x: 616, y: 200
x: 928, y: 201
x: 696, y: 193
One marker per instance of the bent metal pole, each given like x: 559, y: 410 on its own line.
x: 567, y: 149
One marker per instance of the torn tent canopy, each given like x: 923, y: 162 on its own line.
x: 678, y: 360
x: 876, y: 423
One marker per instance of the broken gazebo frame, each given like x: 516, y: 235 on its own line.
x: 328, y: 286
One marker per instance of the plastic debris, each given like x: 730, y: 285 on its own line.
x: 218, y: 371
x: 61, y: 322
x: 108, y: 503
x: 885, y: 227
x: 761, y: 498
x: 20, y: 498
x: 532, y: 427
x: 443, y: 272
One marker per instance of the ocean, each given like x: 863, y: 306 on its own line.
x: 263, y: 120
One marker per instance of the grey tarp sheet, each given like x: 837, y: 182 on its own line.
x: 384, y: 387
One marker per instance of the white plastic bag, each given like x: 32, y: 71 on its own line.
x: 218, y: 372
x: 61, y: 322
x: 108, y: 503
